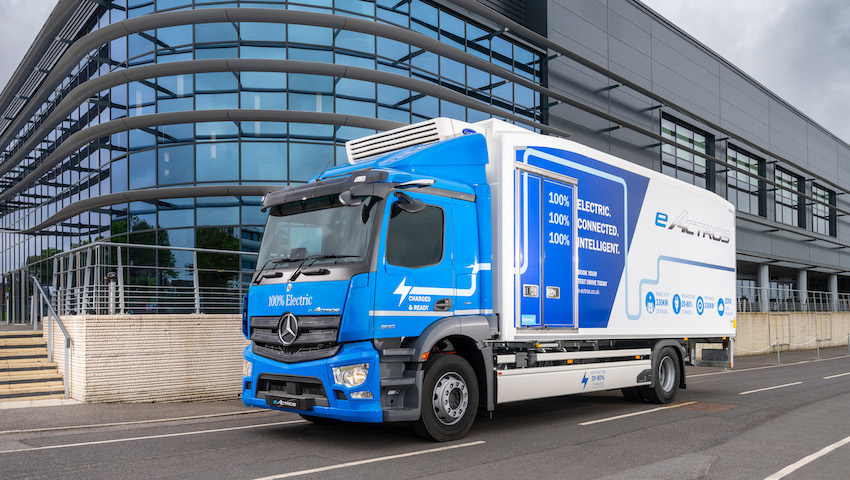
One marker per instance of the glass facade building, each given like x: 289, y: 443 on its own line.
x: 163, y: 122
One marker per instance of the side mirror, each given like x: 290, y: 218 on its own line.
x: 408, y: 204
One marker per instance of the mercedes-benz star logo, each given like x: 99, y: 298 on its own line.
x: 287, y: 329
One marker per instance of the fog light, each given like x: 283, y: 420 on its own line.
x: 246, y: 368
x: 362, y: 395
x: 351, y: 375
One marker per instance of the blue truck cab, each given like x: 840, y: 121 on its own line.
x: 451, y: 267
x: 365, y: 273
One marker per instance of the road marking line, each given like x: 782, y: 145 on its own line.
x: 770, y: 388
x: 370, y: 460
x: 766, y: 366
x: 138, y: 422
x: 836, y: 376
x: 151, y: 437
x: 636, y: 413
x: 794, y: 466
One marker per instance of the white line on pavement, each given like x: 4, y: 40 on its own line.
x: 635, y: 413
x: 151, y: 437
x: 811, y: 458
x: 370, y: 460
x: 737, y: 370
x: 770, y: 388
x: 137, y: 422
x: 836, y: 376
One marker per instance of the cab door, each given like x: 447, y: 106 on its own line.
x: 415, y: 282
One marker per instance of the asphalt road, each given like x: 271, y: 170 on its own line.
x: 754, y: 422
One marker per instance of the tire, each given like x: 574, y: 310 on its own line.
x: 319, y: 420
x: 449, y: 399
x: 666, y: 374
x: 633, y: 394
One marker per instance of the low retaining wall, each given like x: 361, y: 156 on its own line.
x: 794, y: 331
x: 174, y: 358
x: 152, y: 358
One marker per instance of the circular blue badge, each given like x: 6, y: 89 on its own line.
x: 650, y: 302
x: 700, y: 305
x: 677, y: 304
x: 720, y: 307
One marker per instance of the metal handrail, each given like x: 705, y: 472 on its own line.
x: 46, y: 301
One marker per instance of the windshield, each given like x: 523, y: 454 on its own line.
x: 320, y: 230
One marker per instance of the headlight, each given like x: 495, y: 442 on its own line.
x: 246, y: 368
x: 351, y: 375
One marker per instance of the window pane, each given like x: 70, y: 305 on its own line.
x: 415, y: 239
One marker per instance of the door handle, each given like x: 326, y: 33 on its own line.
x: 442, y: 305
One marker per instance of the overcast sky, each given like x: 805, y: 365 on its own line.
x: 799, y: 49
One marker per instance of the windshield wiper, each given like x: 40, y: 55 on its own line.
x: 274, y: 261
x: 313, y: 258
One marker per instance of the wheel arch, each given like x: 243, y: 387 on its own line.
x: 467, y: 335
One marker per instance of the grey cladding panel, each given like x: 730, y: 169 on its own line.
x: 752, y: 241
x: 702, y: 74
x: 745, y: 124
x: 633, y: 107
x: 577, y: 34
x: 579, y: 82
x: 591, y: 11
x: 624, y: 30
x: 668, y: 83
x: 632, y: 14
x: 636, y: 65
x: 732, y: 81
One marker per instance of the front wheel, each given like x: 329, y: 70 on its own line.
x: 449, y: 399
x: 667, y: 373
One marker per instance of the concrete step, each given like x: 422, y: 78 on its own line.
x: 33, y: 397
x: 25, y: 365
x: 46, y: 390
x: 22, y: 342
x: 16, y: 353
x: 21, y: 334
x: 29, y: 377
x: 35, y: 388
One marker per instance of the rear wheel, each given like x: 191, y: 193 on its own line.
x: 666, y: 375
x: 449, y: 399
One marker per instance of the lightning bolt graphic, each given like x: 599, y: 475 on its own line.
x: 584, y: 381
x: 402, y: 290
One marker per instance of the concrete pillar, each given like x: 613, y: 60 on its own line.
x: 833, y: 292
x: 803, y: 287
x: 763, y: 285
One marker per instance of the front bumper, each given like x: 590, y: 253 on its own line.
x: 309, y: 388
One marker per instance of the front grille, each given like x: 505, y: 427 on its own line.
x: 317, y: 338
x: 297, y: 387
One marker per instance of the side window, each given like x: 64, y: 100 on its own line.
x: 415, y: 239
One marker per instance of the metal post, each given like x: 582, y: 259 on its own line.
x: 55, y: 281
x: 817, y: 342
x: 69, y: 280
x: 196, y: 281
x: 67, y: 366
x: 87, y: 297
x: 32, y: 312
x: 778, y: 358
x: 23, y: 297
x: 49, y: 337
x: 120, y: 283
x: 112, y: 278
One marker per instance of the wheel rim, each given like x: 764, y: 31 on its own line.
x: 666, y: 374
x: 451, y: 398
